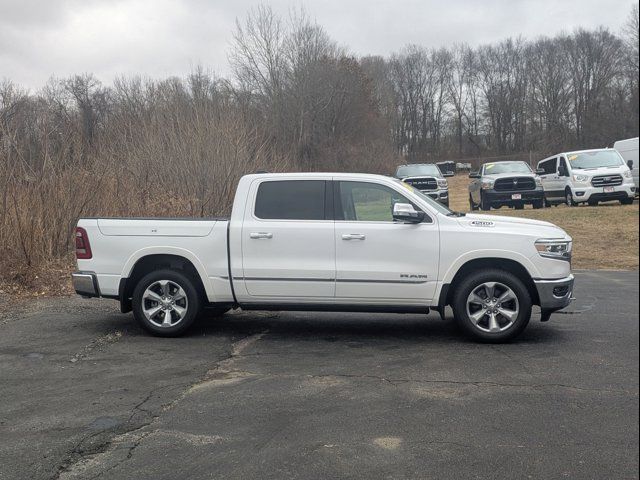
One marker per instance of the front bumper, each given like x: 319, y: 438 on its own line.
x: 620, y: 192
x: 506, y: 197
x: 441, y: 196
x: 85, y: 284
x: 555, y: 294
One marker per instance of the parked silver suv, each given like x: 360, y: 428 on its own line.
x: 513, y: 184
x: 427, y: 178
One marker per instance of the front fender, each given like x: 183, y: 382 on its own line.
x: 483, y: 254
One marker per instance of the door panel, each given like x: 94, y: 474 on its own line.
x: 378, y: 260
x: 551, y: 179
x: 292, y: 256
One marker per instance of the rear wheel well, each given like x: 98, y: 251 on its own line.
x: 493, y: 263
x: 150, y: 263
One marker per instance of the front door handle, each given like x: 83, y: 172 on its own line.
x: 353, y: 236
x: 258, y: 235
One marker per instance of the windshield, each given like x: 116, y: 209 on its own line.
x: 600, y: 158
x: 432, y: 203
x: 418, y: 170
x: 506, y: 167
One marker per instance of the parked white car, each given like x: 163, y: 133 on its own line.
x: 628, y: 149
x: 587, y: 176
x: 339, y: 242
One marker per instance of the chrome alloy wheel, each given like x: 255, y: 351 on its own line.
x: 164, y: 303
x: 492, y: 307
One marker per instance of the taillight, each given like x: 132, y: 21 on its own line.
x: 83, y: 249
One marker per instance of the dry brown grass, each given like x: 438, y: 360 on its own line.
x: 605, y: 237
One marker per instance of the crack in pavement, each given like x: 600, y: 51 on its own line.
x: 80, y: 459
x: 399, y: 381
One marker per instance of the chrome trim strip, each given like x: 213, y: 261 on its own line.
x: 339, y: 280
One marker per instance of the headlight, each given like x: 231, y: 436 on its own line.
x: 581, y: 178
x: 442, y: 183
x: 558, y: 249
x: 628, y: 174
x: 487, y: 184
x: 538, y: 182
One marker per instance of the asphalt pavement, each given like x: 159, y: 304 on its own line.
x: 84, y: 393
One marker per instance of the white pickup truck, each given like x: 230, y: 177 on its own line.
x: 328, y: 242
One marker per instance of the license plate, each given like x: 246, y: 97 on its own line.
x: 609, y: 189
x: 516, y: 196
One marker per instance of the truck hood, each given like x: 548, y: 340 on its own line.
x: 516, y: 225
x: 602, y: 170
x: 508, y: 175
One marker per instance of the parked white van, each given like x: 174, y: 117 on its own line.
x: 587, y: 176
x: 629, y: 151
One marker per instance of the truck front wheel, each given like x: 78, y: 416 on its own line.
x: 166, y: 303
x: 485, y: 204
x: 492, y: 306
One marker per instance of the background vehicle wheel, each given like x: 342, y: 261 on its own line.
x: 492, y: 306
x: 627, y: 201
x: 485, y: 205
x: 547, y: 203
x: 519, y: 206
x: 569, y: 198
x: 166, y: 303
x: 538, y: 204
x: 593, y: 203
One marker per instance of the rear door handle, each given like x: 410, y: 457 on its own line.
x: 353, y: 236
x: 258, y: 235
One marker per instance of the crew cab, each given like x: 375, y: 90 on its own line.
x: 427, y: 178
x: 587, y: 176
x: 333, y: 242
x: 513, y: 184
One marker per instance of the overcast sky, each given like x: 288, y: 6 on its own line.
x: 157, y: 38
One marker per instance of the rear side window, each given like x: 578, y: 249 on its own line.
x: 291, y: 200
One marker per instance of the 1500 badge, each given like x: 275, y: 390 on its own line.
x: 482, y: 223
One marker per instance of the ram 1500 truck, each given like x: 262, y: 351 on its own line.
x: 332, y: 242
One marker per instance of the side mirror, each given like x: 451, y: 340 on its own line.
x: 404, y: 212
x: 540, y: 171
x: 630, y: 164
x: 474, y: 175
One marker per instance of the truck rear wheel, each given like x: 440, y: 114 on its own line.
x: 166, y: 303
x: 492, y: 306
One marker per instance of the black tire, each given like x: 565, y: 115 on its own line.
x: 472, y: 206
x: 485, y: 205
x: 192, y: 303
x: 470, y: 283
x: 593, y: 203
x: 569, y: 200
x: 519, y: 206
x: 547, y: 203
x: 627, y: 201
x: 538, y: 204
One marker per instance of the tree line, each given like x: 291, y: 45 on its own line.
x: 296, y: 100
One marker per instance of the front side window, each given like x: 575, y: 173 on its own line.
x: 366, y: 202
x: 291, y: 200
x: 549, y: 166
